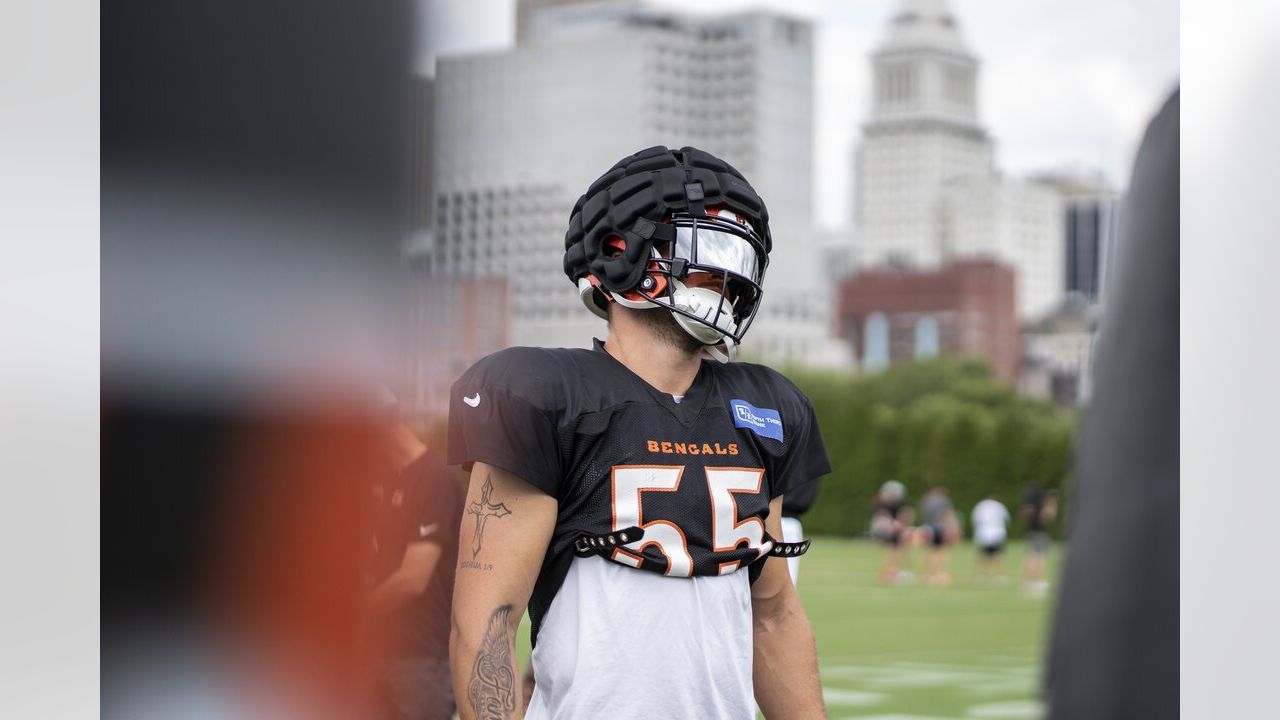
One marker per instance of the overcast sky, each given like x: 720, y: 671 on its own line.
x: 1046, y: 64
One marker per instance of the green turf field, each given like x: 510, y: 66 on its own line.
x: 911, y: 652
x: 971, y: 650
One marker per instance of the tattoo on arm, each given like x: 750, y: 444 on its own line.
x: 492, y: 689
x: 483, y: 509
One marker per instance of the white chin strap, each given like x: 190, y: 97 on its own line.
x: 729, y: 354
x: 700, y: 302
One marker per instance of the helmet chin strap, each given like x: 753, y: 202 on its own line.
x: 729, y: 353
x: 708, y: 305
x: 701, y: 302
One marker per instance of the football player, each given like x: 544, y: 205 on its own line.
x: 630, y: 495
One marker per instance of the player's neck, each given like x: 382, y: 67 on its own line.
x: 662, y: 365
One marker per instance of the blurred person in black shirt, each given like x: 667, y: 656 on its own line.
x: 1039, y: 509
x: 414, y: 556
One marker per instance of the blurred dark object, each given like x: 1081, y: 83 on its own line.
x: 251, y: 192
x: 306, y: 94
x: 1115, y: 637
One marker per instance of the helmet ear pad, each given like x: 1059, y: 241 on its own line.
x: 628, y: 208
x: 622, y: 270
x: 653, y: 283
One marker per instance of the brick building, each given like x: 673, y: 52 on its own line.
x: 965, y: 308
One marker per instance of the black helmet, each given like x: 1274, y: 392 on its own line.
x: 656, y: 219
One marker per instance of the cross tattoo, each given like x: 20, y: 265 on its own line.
x: 483, y: 509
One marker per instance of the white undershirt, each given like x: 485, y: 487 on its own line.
x: 624, y: 643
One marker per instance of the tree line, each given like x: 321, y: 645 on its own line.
x: 941, y: 420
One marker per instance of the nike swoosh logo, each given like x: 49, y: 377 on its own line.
x: 425, y: 530
x: 472, y: 401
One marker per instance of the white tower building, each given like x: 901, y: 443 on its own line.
x: 519, y: 134
x: 927, y: 189
x: 922, y: 131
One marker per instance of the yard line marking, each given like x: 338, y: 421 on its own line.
x: 897, y: 716
x: 1008, y: 710
x: 851, y: 698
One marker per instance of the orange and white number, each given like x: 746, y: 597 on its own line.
x: 628, y: 482
x: 727, y: 532
x: 631, y: 481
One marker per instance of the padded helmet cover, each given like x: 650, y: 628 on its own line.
x: 644, y: 189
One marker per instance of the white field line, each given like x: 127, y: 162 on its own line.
x: 896, y: 716
x: 875, y: 684
x: 851, y: 698
x: 1007, y: 710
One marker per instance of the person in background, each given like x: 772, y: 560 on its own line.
x: 890, y: 525
x: 990, y: 529
x: 940, y: 529
x: 1039, y: 509
x: 415, y: 549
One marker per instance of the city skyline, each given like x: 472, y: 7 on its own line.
x: 1100, y: 69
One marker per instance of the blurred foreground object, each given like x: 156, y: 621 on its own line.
x: 250, y: 229
x: 1115, y: 636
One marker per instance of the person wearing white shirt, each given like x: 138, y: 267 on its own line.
x: 990, y: 529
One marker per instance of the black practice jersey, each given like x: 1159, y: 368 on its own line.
x: 696, y: 475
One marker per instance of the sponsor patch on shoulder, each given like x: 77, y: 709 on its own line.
x: 761, y: 421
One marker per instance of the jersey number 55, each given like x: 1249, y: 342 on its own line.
x: 630, y: 482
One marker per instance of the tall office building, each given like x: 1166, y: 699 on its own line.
x: 1014, y: 221
x: 1058, y: 347
x: 1091, y: 224
x: 521, y: 133
x: 927, y: 190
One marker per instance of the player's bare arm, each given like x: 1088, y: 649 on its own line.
x: 409, y: 580
x: 503, y: 539
x: 785, y: 669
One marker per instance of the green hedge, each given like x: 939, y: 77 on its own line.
x: 937, y: 421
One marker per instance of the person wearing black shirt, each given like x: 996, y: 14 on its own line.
x: 415, y: 549
x: 1039, y: 508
